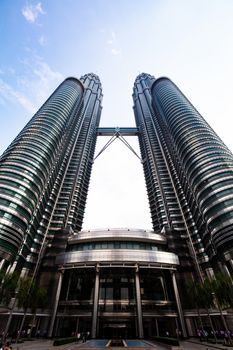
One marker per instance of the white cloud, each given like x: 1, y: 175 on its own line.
x: 115, y: 52
x: 12, y: 95
x: 112, y: 39
x: 11, y: 70
x: 31, y: 12
x: 37, y: 83
x: 42, y: 40
x: 46, y: 80
x: 2, y: 102
x: 113, y: 42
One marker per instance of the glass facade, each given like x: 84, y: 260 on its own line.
x: 113, y: 245
x: 188, y: 172
x: 123, y: 283
x: 44, y: 173
x: 204, y: 160
x: 114, y: 278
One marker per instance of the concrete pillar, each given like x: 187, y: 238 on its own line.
x: 61, y: 274
x: 157, y: 327
x: 178, y: 304
x: 227, y: 270
x: 230, y: 266
x: 231, y: 263
x: 2, y: 263
x: 138, y: 304
x: 77, y: 326
x: 209, y: 272
x: 224, y: 268
x: 95, y: 303
x: 8, y: 268
x: 68, y: 287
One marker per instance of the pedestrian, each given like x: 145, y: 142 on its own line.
x: 83, y: 337
x: 226, y: 337
x: 7, y: 346
x: 206, y: 335
x: 78, y: 335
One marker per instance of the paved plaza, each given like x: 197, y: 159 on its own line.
x: 192, y: 344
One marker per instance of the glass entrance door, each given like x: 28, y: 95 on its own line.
x: 117, y: 329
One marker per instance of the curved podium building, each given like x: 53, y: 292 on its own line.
x: 124, y: 283
x: 117, y: 283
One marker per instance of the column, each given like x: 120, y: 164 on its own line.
x: 2, y: 263
x: 157, y: 327
x: 138, y: 303
x: 178, y: 304
x: 8, y: 268
x: 77, y: 326
x: 95, y: 302
x: 12, y: 307
x: 61, y: 274
x: 224, y: 268
x: 68, y: 287
x: 231, y: 262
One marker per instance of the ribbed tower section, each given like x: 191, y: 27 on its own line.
x: 73, y: 182
x: 188, y: 172
x: 169, y: 208
x: 203, y: 162
x: 44, y: 173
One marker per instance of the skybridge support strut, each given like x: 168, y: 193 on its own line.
x: 117, y: 133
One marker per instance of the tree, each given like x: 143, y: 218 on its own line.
x: 38, y: 299
x: 25, y: 284
x: 195, y: 297
x: 8, y: 286
x: 220, y: 287
x: 22, y: 290
x: 30, y: 296
x: 200, y: 298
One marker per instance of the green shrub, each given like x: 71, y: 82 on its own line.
x: 62, y: 341
x: 166, y: 340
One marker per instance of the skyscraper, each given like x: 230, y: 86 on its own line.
x: 44, y: 173
x: 115, y: 282
x: 189, y: 172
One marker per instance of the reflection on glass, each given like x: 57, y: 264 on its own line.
x: 117, y: 290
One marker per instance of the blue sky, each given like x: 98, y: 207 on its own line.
x: 43, y: 42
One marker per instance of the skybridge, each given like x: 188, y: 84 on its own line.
x: 118, y: 133
x: 123, y: 131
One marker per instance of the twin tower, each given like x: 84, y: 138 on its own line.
x: 124, y: 280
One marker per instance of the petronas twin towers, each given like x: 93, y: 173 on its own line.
x: 127, y: 283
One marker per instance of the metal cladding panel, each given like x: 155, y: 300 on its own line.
x: 163, y: 187
x: 112, y: 234
x: 76, y: 169
x: 115, y: 255
x: 28, y: 171
x: 113, y: 131
x: 206, y: 162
